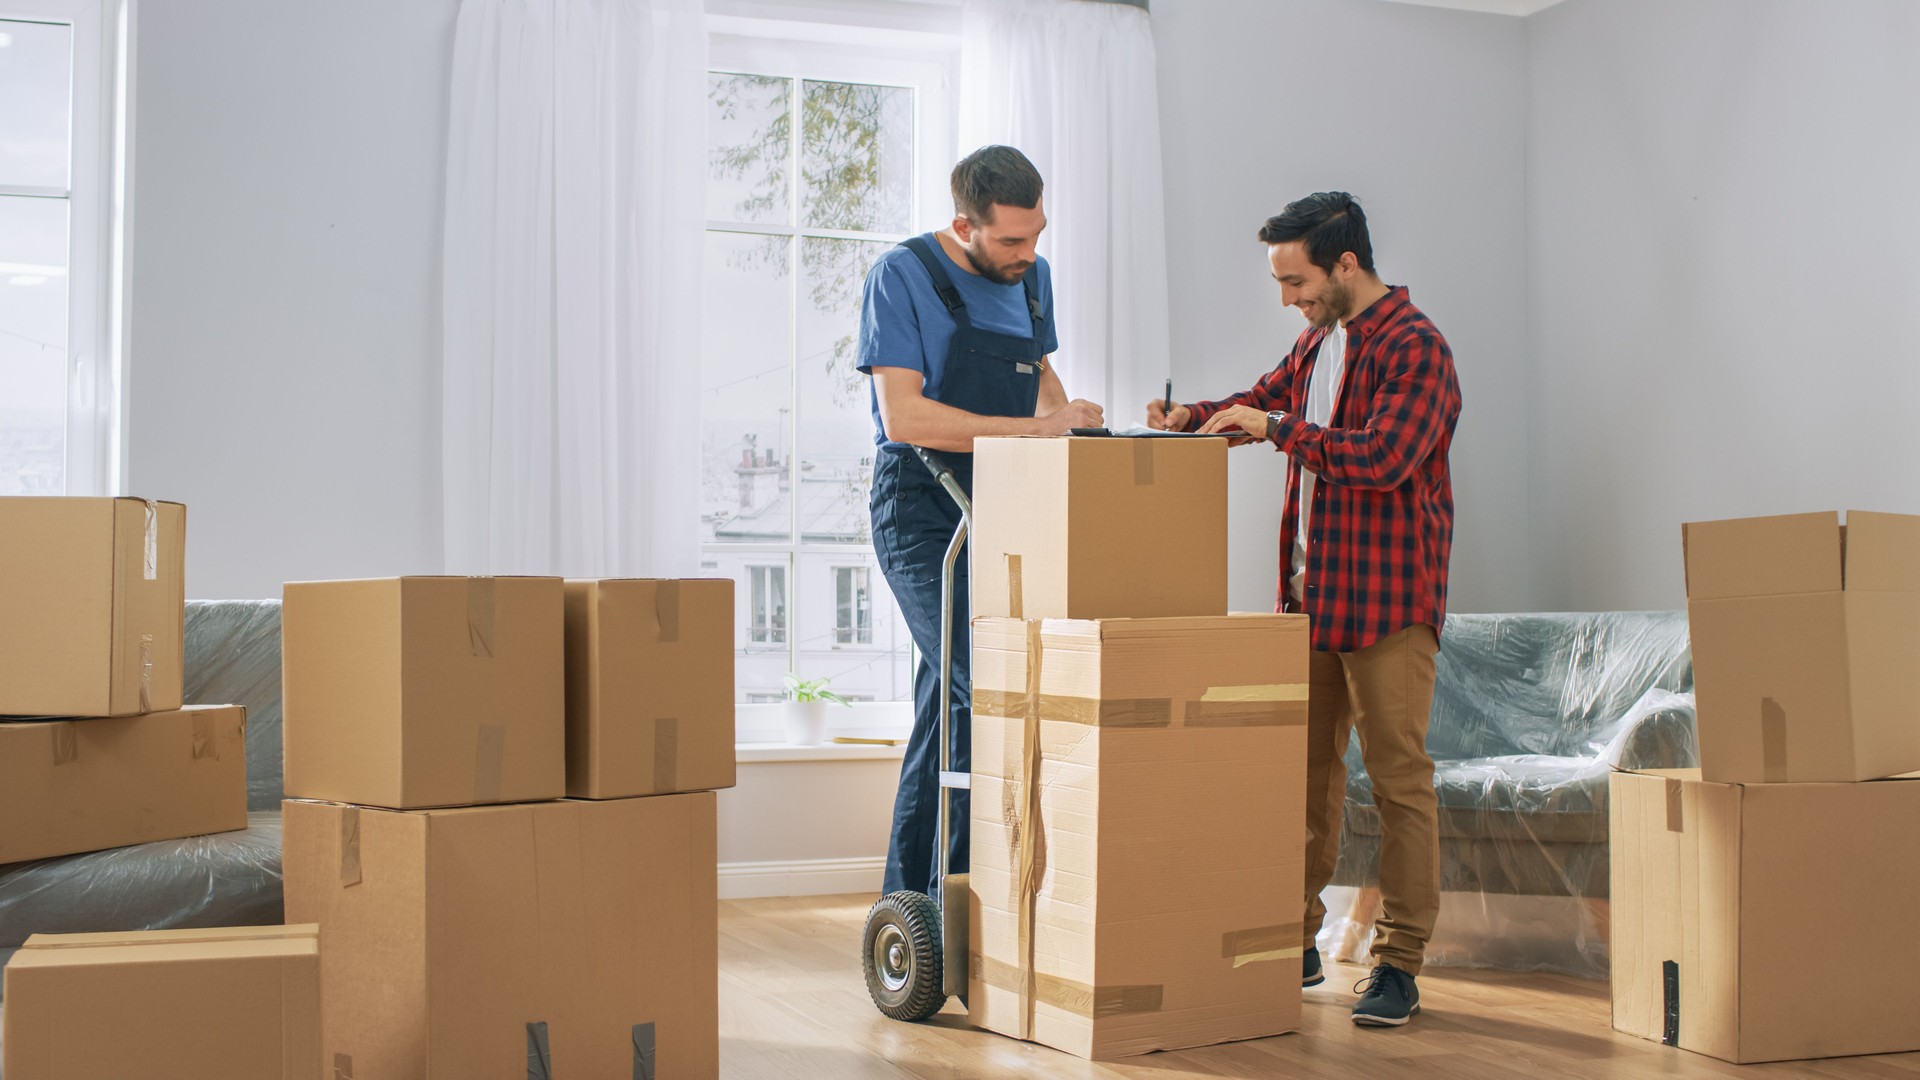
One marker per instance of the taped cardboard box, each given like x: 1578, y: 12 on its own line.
x: 1804, y: 633
x: 68, y: 786
x: 94, y: 612
x: 1729, y: 904
x: 1095, y: 528
x: 1146, y: 894
x: 165, y: 1005
x: 479, y: 943
x: 649, y: 687
x: 425, y: 691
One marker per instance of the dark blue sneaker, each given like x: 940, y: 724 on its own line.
x: 1310, y: 973
x: 1388, y: 998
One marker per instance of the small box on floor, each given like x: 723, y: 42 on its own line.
x: 1145, y: 894
x: 1736, y: 909
x: 166, y: 1005
x: 92, y: 606
x: 475, y: 942
x: 1099, y: 528
x: 68, y: 786
x: 425, y: 691
x: 1804, y: 633
x: 649, y: 687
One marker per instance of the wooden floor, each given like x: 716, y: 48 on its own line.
x: 793, y: 1007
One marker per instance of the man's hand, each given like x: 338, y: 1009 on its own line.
x: 1244, y: 417
x: 1160, y: 419
x: 1078, y: 413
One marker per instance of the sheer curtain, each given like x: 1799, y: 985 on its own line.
x: 1072, y: 84
x: 571, y: 287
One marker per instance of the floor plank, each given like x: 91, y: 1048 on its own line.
x: 793, y: 1007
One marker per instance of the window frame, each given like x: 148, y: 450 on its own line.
x: 926, y: 60
x: 99, y: 122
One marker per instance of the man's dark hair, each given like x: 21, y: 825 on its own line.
x: 994, y: 174
x: 1331, y: 222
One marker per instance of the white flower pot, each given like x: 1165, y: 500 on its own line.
x: 806, y: 722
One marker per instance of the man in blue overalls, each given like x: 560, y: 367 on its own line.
x: 956, y: 330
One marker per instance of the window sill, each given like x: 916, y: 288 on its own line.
x: 762, y: 753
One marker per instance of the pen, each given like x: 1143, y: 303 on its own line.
x: 1167, y: 405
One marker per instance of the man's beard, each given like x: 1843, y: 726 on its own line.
x: 1000, y: 275
x: 1335, y: 303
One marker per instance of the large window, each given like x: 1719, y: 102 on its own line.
x: 57, y: 398
x: 819, y: 161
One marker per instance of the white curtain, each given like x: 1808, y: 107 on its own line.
x: 571, y: 287
x: 1072, y: 84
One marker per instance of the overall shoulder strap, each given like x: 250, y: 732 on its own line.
x: 1034, y: 310
x: 942, y: 284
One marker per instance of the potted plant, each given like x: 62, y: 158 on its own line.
x: 806, y: 711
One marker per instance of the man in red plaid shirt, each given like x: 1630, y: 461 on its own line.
x: 1364, y: 407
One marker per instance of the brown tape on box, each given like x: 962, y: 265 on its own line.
x: 666, y: 755
x: 1143, y: 462
x: 666, y: 610
x: 166, y: 939
x: 1078, y: 998
x: 66, y: 743
x: 1281, y: 942
x: 1676, y: 814
x: 1773, y: 741
x: 1016, y: 589
x: 349, y: 847
x: 480, y: 615
x: 490, y: 751
x: 205, y: 746
x: 343, y: 1067
x: 146, y: 673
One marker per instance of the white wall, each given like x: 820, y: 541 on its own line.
x: 285, y: 244
x: 1420, y: 112
x: 1725, y: 245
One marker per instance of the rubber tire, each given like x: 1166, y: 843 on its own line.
x: 918, y: 918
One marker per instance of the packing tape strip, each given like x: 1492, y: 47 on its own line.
x: 1078, y: 998
x: 1280, y: 942
x: 343, y: 1067
x: 1016, y: 590
x: 1676, y: 805
x: 165, y: 940
x: 1773, y: 741
x: 666, y: 755
x: 645, y: 1053
x: 66, y: 743
x: 1266, y: 692
x: 146, y: 673
x: 539, y: 1052
x: 153, y: 541
x: 1141, y: 712
x: 205, y: 745
x: 1029, y: 838
x: 666, y: 611
x: 490, y: 751
x: 480, y: 601
x: 349, y: 846
x: 1241, y: 714
x: 1143, y: 462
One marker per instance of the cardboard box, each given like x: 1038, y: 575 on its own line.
x: 1099, y: 528
x: 68, y: 786
x: 1804, y: 635
x: 93, y: 615
x: 470, y: 943
x: 649, y: 687
x: 1739, y: 913
x: 165, y: 1005
x: 1165, y: 838
x: 425, y: 691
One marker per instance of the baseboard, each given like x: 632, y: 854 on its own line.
x: 803, y: 877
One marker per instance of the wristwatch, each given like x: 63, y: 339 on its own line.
x: 1273, y: 424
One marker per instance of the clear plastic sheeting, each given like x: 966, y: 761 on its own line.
x: 1530, y: 715
x: 233, y: 658
x: 226, y: 879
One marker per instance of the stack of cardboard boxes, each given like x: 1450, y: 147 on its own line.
x: 99, y: 753
x: 1757, y: 900
x: 501, y: 816
x: 1138, y: 756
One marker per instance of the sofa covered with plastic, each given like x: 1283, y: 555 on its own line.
x: 1530, y: 715
x: 226, y: 879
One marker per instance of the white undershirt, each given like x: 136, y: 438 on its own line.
x: 1329, y: 367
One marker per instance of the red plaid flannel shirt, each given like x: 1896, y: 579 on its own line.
x: 1383, y: 509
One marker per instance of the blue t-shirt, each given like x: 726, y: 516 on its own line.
x: 903, y: 323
